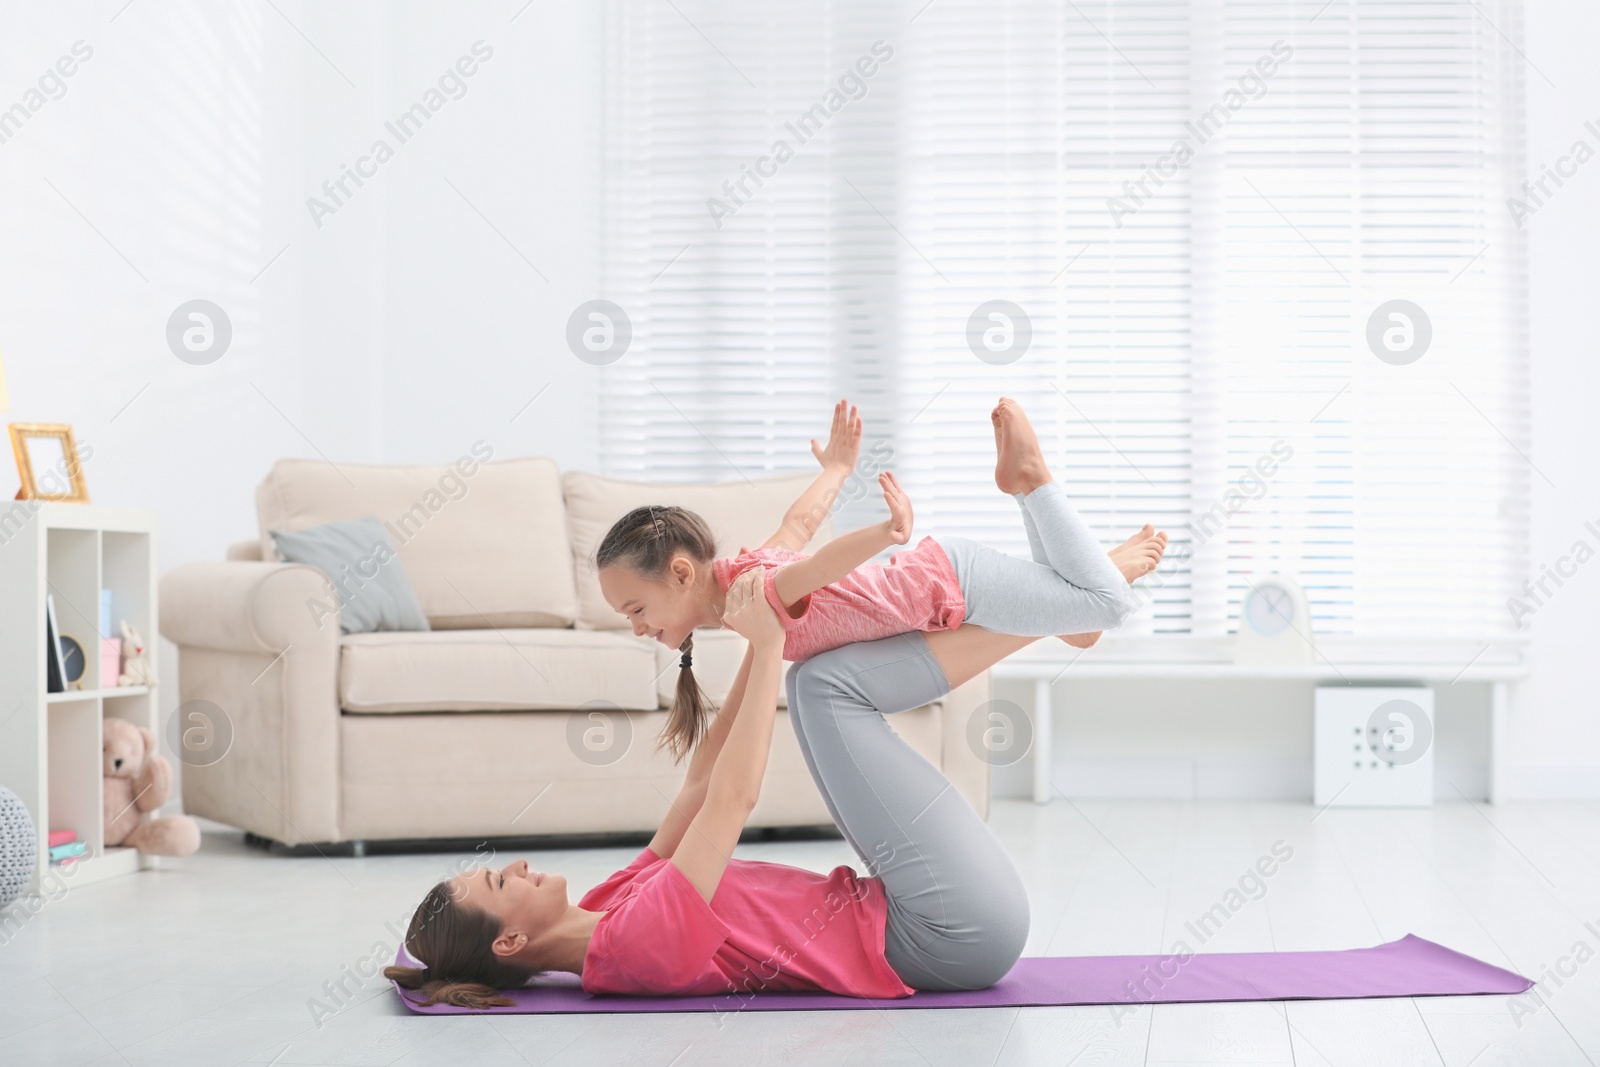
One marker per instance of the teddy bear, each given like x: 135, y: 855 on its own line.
x: 135, y: 664
x: 138, y: 779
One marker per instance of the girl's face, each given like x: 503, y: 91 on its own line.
x: 666, y: 610
x: 526, y: 902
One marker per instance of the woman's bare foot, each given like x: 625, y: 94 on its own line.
x: 1140, y: 554
x: 1020, y: 466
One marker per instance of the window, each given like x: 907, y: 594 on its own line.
x: 1261, y: 253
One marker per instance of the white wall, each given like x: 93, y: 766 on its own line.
x: 475, y: 320
x: 400, y: 330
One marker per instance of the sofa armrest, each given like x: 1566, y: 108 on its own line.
x: 966, y: 768
x: 247, y: 607
x: 251, y: 642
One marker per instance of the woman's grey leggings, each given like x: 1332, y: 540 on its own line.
x: 1070, y: 587
x: 958, y: 912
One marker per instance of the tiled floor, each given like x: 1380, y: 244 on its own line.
x: 217, y: 959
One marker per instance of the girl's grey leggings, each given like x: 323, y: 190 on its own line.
x: 1070, y: 587
x: 958, y: 912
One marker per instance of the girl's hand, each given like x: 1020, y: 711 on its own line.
x: 844, y: 440
x: 898, y: 525
x: 747, y: 612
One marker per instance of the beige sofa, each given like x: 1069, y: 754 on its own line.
x: 468, y: 731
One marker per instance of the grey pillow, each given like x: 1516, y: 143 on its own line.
x: 361, y: 561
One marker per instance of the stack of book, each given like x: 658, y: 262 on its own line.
x: 65, y: 846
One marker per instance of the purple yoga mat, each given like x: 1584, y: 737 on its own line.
x: 1410, y: 967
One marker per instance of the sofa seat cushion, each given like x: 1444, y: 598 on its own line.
x: 484, y: 543
x: 475, y: 776
x: 495, y: 670
x: 740, y: 513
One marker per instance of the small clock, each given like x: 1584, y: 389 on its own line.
x: 1274, y: 623
x: 72, y: 661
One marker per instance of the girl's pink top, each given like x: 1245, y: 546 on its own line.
x: 768, y: 928
x: 916, y: 590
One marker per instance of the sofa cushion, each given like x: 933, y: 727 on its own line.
x: 496, y: 775
x: 369, y: 576
x: 495, y: 670
x: 476, y: 776
x: 485, y: 544
x: 740, y: 513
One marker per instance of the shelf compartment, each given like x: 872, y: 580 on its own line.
x: 74, y: 760
x: 125, y: 570
x: 73, y: 583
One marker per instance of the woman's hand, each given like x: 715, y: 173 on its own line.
x: 747, y: 612
x: 897, y: 527
x: 844, y: 441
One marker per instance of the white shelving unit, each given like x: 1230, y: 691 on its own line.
x: 50, y: 744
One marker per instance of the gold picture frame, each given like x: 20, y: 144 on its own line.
x: 35, y: 484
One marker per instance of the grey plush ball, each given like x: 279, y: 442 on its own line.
x: 19, y: 847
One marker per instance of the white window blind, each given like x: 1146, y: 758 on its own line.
x: 1198, y: 206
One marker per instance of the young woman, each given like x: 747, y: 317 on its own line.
x: 657, y: 567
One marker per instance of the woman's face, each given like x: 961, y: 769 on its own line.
x: 526, y: 902
x: 665, y: 611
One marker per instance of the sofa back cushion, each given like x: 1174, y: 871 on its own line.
x: 740, y: 513
x: 485, y: 544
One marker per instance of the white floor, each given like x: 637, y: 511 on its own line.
x: 216, y: 959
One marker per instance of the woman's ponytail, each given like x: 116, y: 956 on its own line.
x: 438, y: 991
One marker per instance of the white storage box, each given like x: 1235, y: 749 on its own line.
x: 1373, y: 747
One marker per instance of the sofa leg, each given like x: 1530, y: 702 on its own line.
x: 358, y: 849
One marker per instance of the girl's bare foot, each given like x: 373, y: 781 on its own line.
x: 1020, y: 467
x: 1135, y: 557
x: 1140, y: 554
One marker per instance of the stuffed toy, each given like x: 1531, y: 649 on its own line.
x: 138, y: 779
x: 135, y: 664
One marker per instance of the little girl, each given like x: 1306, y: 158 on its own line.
x: 657, y: 566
